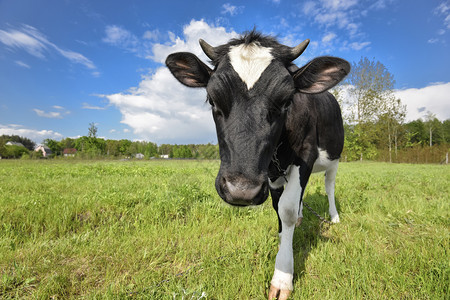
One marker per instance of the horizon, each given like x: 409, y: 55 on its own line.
x: 81, y: 62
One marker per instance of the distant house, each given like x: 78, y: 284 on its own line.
x: 44, y: 149
x: 139, y: 156
x: 14, y: 144
x: 68, y: 152
x: 166, y: 156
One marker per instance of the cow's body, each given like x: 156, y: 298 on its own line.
x: 313, y: 139
x: 275, y: 125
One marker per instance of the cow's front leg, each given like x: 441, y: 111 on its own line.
x: 281, y: 284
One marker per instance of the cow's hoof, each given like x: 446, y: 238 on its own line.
x: 335, y: 219
x: 276, y: 293
x: 299, y: 222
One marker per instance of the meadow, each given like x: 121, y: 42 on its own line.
x: 157, y: 230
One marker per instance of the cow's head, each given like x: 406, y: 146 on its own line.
x: 250, y: 90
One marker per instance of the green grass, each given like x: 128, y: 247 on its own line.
x: 114, y: 230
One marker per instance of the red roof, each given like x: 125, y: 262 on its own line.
x: 69, y: 151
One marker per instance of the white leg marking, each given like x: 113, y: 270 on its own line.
x: 330, y: 167
x: 330, y: 178
x: 288, y: 212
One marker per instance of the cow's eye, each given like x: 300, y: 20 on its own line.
x: 216, y: 110
x: 287, y: 104
x: 211, y: 102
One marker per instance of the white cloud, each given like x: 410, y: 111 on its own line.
x: 380, y: 4
x: 122, y: 38
x: 162, y: 110
x: 31, y: 40
x: 328, y: 37
x: 309, y: 8
x: 444, y: 10
x: 343, y: 18
x: 151, y: 34
x: 33, y: 134
x: 353, y: 29
x: 339, y: 4
x: 17, y: 39
x: 52, y: 114
x: 118, y: 36
x: 233, y: 10
x: 434, y: 98
x: 22, y: 64
x: 88, y: 106
x: 192, y: 33
x: 76, y: 57
x: 359, y: 46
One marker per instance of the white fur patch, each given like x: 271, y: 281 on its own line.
x: 287, y: 210
x: 282, y: 280
x: 322, y: 162
x: 250, y: 61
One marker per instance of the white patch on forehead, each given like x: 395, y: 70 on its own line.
x: 250, y: 61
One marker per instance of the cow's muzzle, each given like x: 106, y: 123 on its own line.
x: 239, y: 191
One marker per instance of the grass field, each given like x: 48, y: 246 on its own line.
x: 114, y: 230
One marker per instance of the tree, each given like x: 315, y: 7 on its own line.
x: 67, y: 143
x: 112, y: 147
x: 181, y: 151
x: 446, y: 130
x: 370, y: 87
x: 151, y: 150
x: 54, y: 146
x: 416, y: 133
x: 13, y: 151
x: 435, y: 129
x: 124, y: 147
x: 92, y: 130
x: 165, y: 149
x: 26, y: 142
x: 390, y: 124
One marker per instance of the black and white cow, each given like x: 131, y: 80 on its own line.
x: 275, y: 123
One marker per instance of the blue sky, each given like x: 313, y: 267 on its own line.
x: 65, y: 64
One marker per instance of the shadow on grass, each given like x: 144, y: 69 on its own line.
x: 311, y: 232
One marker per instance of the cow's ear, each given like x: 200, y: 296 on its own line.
x: 188, y: 69
x: 321, y: 74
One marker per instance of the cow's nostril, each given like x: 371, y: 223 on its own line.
x: 239, y: 191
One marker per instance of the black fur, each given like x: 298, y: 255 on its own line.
x: 287, y: 109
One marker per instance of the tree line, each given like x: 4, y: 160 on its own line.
x: 419, y: 141
x: 374, y: 123
x: 92, y: 147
